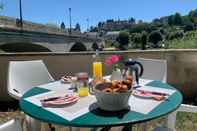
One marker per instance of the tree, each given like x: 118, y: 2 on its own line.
x: 144, y: 40
x: 155, y: 37
x: 136, y: 40
x: 62, y: 26
x: 77, y: 27
x: 1, y: 6
x: 178, y: 19
x: 132, y: 20
x: 156, y: 22
x: 193, y: 16
x: 171, y: 20
x: 123, y: 40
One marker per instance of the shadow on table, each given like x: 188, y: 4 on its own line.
x: 97, y: 111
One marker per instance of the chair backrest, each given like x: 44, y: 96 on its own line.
x: 12, y: 125
x: 155, y: 69
x: 23, y: 75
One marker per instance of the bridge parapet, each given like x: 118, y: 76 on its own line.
x: 54, y: 42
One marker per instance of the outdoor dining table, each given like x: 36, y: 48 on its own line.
x: 99, y: 118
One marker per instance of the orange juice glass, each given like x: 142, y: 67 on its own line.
x: 83, y: 91
x: 97, y: 70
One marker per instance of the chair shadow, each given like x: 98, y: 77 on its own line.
x: 97, y: 111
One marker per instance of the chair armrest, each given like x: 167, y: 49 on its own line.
x: 15, y: 94
x: 187, y: 108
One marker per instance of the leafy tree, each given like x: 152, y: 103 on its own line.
x: 171, y: 20
x: 100, y: 24
x: 143, y: 40
x: 193, y: 16
x: 186, y: 20
x: 132, y: 20
x: 77, y: 27
x: 1, y: 6
x: 175, y: 19
x: 155, y: 37
x: 136, y: 40
x: 156, y: 22
x: 62, y: 26
x: 123, y: 40
x: 178, y: 19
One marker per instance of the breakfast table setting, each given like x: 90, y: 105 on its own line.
x: 119, y: 99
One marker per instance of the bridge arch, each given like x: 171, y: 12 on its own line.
x: 78, y: 46
x: 23, y: 47
x: 95, y: 46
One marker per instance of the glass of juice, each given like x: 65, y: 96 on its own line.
x: 97, y: 70
x: 82, y: 79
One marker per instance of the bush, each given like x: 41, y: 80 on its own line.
x: 136, y: 40
x: 189, y: 27
x: 144, y: 40
x: 175, y: 35
x: 154, y: 38
x: 123, y: 40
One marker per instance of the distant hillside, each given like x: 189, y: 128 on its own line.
x: 138, y: 26
x: 174, y: 31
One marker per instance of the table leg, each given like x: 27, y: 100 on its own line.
x: 127, y: 127
x: 70, y: 128
x: 107, y: 128
x: 93, y: 129
x: 51, y: 127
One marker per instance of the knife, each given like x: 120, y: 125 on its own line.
x: 153, y: 92
x: 50, y: 99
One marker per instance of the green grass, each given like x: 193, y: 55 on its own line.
x: 186, y: 121
x: 181, y: 44
x: 189, y: 41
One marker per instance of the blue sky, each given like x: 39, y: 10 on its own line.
x: 56, y: 11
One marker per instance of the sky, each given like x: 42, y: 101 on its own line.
x: 56, y: 11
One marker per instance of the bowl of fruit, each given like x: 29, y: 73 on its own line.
x: 113, y: 95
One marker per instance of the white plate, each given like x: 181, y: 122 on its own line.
x: 67, y: 99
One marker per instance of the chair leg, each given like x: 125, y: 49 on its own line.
x: 51, y: 127
x: 33, y: 124
x: 172, y: 120
x: 127, y: 127
x: 106, y: 128
x: 70, y: 128
x: 144, y: 126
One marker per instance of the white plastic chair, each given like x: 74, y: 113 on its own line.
x: 157, y: 70
x: 172, y: 117
x: 154, y: 69
x: 24, y: 75
x: 11, y: 125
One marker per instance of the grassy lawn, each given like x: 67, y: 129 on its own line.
x: 186, y: 121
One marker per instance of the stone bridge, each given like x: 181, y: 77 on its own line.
x: 47, y: 41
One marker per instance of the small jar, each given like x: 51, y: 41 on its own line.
x: 82, y: 84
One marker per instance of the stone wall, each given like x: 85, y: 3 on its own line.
x: 182, y: 69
